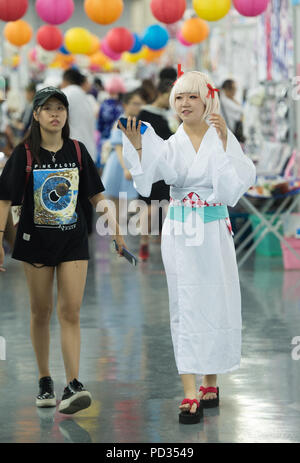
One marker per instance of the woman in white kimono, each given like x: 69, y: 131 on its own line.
x: 205, y: 166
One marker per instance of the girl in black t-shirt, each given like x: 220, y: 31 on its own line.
x: 52, y: 232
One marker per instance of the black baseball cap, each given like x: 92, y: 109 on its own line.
x: 43, y: 95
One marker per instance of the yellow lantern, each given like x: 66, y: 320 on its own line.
x: 78, y: 40
x: 211, y: 10
x: 95, y: 45
x: 132, y: 57
x: 108, y: 66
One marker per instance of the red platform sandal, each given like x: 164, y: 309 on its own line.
x: 185, y: 417
x: 209, y: 403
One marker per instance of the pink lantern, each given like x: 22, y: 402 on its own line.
x: 55, y: 11
x: 250, y: 7
x: 168, y: 11
x: 12, y: 11
x: 182, y: 40
x: 104, y: 47
x: 49, y: 37
x: 120, y: 39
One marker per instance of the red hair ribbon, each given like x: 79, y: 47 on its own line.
x: 211, y: 91
x: 179, y: 73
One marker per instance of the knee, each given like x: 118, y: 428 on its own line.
x: 41, y: 314
x: 68, y: 314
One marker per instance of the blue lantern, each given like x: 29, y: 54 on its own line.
x: 64, y: 51
x: 156, y: 37
x: 138, y: 43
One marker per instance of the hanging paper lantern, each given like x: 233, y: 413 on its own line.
x: 182, y: 40
x: 12, y: 10
x: 168, y: 11
x: 251, y: 7
x: 63, y: 50
x: 156, y: 37
x: 55, y: 11
x: 104, y: 11
x: 132, y: 57
x: 109, y: 52
x: 138, y: 44
x: 195, y: 30
x: 150, y: 55
x: 98, y: 59
x: 18, y: 33
x: 119, y: 39
x: 95, y: 45
x: 49, y: 37
x: 78, y: 40
x: 211, y: 10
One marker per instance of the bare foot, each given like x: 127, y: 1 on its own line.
x: 208, y: 395
x: 187, y: 407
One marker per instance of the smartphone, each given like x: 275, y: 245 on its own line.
x: 130, y: 257
x: 123, y: 121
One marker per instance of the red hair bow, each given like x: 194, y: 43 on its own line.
x: 211, y: 91
x: 179, y: 73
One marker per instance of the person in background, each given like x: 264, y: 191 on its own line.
x: 110, y: 111
x: 26, y: 119
x: 82, y: 123
x: 116, y: 177
x: 87, y: 87
x: 231, y: 109
x: 149, y: 91
x: 157, y: 115
x: 168, y: 73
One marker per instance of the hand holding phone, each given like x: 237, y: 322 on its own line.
x: 124, y: 123
x: 128, y: 256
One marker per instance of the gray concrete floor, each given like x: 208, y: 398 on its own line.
x: 127, y: 360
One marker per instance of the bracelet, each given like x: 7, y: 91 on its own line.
x: 2, y: 231
x: 138, y: 149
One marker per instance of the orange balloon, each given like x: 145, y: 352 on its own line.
x: 98, y: 59
x: 195, y: 30
x: 18, y: 33
x: 95, y: 45
x: 151, y: 55
x: 104, y: 11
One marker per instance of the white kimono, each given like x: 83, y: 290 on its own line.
x: 203, y: 281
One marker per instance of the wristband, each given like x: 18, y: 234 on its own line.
x: 138, y: 149
x: 2, y: 231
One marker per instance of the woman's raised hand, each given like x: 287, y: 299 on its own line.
x: 132, y: 132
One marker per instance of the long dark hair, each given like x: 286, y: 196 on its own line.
x: 33, y: 137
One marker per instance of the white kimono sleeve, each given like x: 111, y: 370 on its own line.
x: 233, y: 173
x: 154, y: 165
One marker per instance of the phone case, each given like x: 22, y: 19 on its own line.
x: 123, y: 121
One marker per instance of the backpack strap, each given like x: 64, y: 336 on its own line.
x: 29, y: 163
x: 78, y: 151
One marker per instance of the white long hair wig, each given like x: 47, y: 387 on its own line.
x: 196, y: 82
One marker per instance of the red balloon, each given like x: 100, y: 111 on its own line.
x: 168, y: 11
x: 120, y: 39
x: 49, y: 37
x: 12, y: 10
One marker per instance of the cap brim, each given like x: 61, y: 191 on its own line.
x: 57, y: 95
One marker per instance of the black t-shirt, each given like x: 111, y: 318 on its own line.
x: 52, y: 227
x: 158, y: 122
